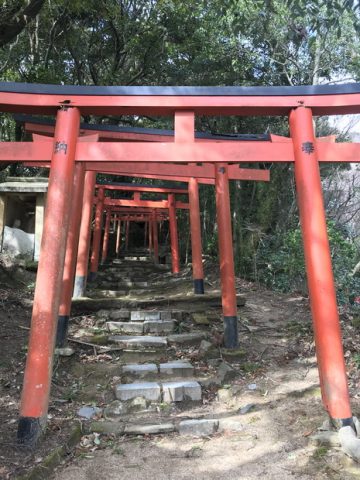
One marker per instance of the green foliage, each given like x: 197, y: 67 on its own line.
x: 282, y: 267
x: 282, y: 261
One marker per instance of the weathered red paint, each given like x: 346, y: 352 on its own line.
x: 94, y: 263
x: 72, y: 241
x: 82, y: 263
x: 106, y: 237
x: 113, y: 202
x: 322, y: 292
x: 178, y: 152
x: 137, y: 188
x: 226, y: 255
x: 195, y: 229
x: 37, y: 378
x: 184, y: 126
x: 174, y: 241
x: 118, y: 238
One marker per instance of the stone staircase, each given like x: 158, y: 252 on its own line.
x: 158, y: 387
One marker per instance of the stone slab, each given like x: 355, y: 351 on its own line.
x: 130, y: 283
x: 230, y: 424
x: 107, y: 428
x: 125, y: 327
x: 137, y: 316
x: 134, y: 341
x: 152, y: 316
x: 178, y: 369
x: 198, y: 428
x: 165, y: 315
x: 141, y: 370
x: 180, y: 391
x: 186, y: 338
x: 159, y: 326
x: 119, y: 314
x: 88, y: 412
x: 149, y: 390
x: 111, y: 293
x: 149, y: 429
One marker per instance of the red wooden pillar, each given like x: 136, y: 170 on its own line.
x: 329, y: 350
x: 155, y: 236
x: 195, y: 228
x: 105, y: 245
x: 71, y: 255
x: 94, y: 263
x: 38, y: 370
x: 175, y: 257
x: 127, y: 234
x: 226, y: 256
x: 85, y: 235
x: 118, y: 238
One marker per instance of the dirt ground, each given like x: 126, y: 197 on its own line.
x: 275, y: 391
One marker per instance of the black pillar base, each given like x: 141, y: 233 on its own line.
x: 29, y: 431
x: 199, y: 286
x: 231, y: 336
x: 79, y: 287
x: 92, y: 276
x: 62, y: 329
x: 343, y: 422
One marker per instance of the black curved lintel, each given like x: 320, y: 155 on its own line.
x: 276, y: 91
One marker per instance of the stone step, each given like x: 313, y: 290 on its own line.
x: 132, y: 284
x: 144, y: 315
x: 108, y: 293
x: 134, y: 342
x: 166, y: 392
x: 140, y: 327
x: 176, y: 369
x: 193, y: 427
x: 140, y: 315
x: 186, y: 338
x: 125, y: 327
x: 136, y: 258
x: 159, y: 326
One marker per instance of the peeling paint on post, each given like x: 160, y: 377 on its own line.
x: 38, y: 370
x: 94, y: 263
x: 85, y: 236
x: 71, y: 255
x: 106, y: 237
x: 329, y: 349
x: 226, y: 257
x: 195, y: 228
x: 175, y: 258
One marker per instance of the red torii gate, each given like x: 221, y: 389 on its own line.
x: 199, y: 174
x: 149, y: 218
x: 154, y: 205
x: 227, y: 274
x: 299, y: 103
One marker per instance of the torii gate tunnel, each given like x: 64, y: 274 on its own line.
x: 69, y: 158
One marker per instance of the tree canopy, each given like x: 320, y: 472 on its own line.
x: 205, y: 42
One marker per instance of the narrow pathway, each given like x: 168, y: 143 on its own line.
x: 158, y: 396
x: 165, y: 354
